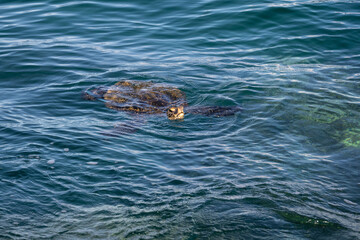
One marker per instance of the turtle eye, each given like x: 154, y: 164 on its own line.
x: 172, y: 109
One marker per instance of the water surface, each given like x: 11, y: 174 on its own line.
x: 287, y: 167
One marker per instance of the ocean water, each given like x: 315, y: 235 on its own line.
x: 286, y: 167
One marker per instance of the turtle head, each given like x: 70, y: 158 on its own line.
x: 175, y: 113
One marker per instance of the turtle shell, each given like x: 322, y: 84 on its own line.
x: 143, y: 97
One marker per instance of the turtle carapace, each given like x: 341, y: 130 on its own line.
x: 152, y: 98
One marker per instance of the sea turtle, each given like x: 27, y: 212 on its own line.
x: 152, y: 98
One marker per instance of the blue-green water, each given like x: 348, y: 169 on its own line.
x: 287, y: 167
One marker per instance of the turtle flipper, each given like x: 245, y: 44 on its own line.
x: 121, y: 129
x: 94, y: 93
x: 216, y: 111
x: 127, y: 127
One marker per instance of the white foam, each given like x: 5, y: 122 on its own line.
x: 52, y: 161
x: 92, y: 163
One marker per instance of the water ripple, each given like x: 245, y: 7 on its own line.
x: 288, y: 163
